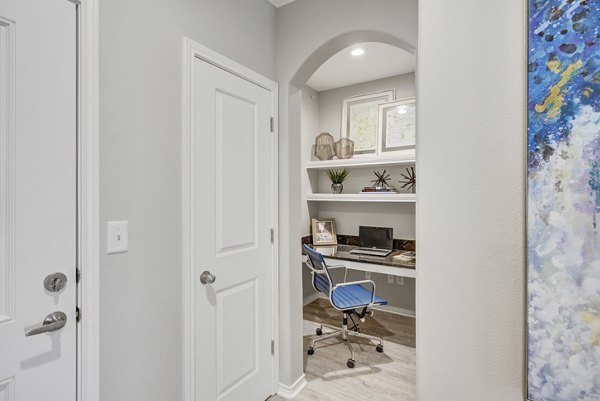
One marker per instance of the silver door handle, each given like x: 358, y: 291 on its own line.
x: 207, y: 278
x: 52, y: 322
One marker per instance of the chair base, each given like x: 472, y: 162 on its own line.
x: 345, y: 334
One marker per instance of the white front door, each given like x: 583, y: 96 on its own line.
x: 232, y: 224
x: 38, y: 139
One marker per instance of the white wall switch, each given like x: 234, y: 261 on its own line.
x: 399, y: 280
x: 367, y: 275
x: 117, y: 241
x: 390, y: 279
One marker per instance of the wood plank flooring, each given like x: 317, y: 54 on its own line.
x: 390, y: 375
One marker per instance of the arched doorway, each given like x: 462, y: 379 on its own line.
x: 291, y: 351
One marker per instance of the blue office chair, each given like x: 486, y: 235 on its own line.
x: 346, y: 297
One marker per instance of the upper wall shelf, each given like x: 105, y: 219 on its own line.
x: 408, y: 158
x: 371, y: 197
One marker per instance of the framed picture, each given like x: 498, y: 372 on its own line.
x: 323, y: 232
x: 360, y: 115
x: 397, y: 128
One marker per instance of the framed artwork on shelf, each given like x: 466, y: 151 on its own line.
x: 323, y: 232
x: 360, y: 116
x: 397, y: 127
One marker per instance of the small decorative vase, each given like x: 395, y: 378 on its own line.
x: 324, y: 147
x: 344, y: 148
x: 337, y: 188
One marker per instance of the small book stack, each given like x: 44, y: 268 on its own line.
x: 378, y: 190
x: 409, y: 256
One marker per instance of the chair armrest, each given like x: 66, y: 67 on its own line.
x: 359, y: 283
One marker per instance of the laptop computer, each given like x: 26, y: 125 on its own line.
x: 374, y: 241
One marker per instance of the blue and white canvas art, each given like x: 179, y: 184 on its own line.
x: 563, y: 200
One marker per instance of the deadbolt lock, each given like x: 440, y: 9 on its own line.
x: 55, y: 282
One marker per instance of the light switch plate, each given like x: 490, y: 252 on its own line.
x: 117, y: 240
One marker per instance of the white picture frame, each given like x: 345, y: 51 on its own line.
x: 360, y: 119
x: 397, y: 126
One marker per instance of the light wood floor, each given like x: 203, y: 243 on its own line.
x: 376, y: 377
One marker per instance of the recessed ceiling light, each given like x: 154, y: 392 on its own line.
x: 357, y: 52
x: 402, y: 110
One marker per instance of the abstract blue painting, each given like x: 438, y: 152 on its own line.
x: 563, y: 140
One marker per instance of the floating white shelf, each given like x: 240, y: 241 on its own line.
x: 390, y: 198
x: 409, y: 158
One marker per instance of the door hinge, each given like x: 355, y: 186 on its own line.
x: 77, y: 314
x: 272, y: 347
x: 272, y: 124
x: 77, y: 275
x: 272, y: 236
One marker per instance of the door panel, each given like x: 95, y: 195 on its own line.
x: 232, y: 224
x: 7, y: 388
x: 38, y: 139
x: 236, y: 172
x: 236, y: 334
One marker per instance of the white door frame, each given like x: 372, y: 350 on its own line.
x: 191, y: 51
x: 88, y: 211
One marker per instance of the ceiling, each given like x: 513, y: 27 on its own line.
x: 280, y: 3
x: 379, y: 60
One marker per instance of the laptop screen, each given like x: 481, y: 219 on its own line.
x: 378, y: 237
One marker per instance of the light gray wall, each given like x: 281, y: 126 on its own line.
x: 140, y: 170
x: 470, y: 224
x: 330, y: 101
x: 309, y: 125
x: 308, y: 33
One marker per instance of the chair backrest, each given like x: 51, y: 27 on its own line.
x: 320, y: 274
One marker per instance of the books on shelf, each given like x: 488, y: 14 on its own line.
x: 378, y: 190
x: 409, y: 256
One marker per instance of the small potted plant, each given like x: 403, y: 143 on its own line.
x: 337, y: 178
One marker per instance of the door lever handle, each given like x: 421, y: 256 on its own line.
x: 52, y: 322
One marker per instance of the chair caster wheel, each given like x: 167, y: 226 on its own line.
x: 310, y: 351
x: 319, y: 331
x: 350, y: 363
x: 379, y: 348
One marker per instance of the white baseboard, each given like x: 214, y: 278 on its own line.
x: 313, y: 297
x: 289, y: 392
x: 384, y: 308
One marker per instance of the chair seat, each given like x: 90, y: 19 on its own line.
x: 354, y: 296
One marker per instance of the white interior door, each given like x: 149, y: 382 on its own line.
x: 37, y: 198
x: 232, y: 224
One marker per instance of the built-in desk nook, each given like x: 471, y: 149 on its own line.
x: 376, y: 189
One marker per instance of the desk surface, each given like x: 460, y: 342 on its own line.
x: 342, y: 252
x: 370, y: 263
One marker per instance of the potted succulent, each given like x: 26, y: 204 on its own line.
x: 337, y: 178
